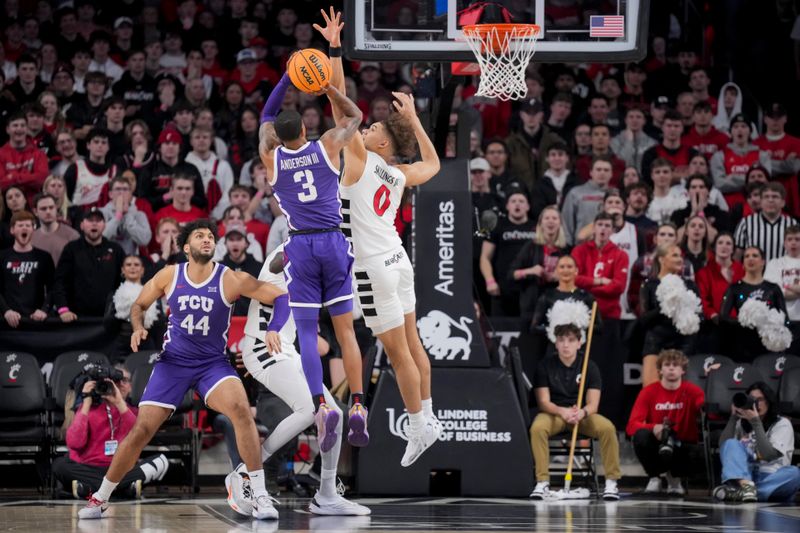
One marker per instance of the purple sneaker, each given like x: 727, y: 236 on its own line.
x: 327, y: 419
x: 358, y: 435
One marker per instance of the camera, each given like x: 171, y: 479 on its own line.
x: 668, y: 440
x: 743, y: 401
x: 100, y: 374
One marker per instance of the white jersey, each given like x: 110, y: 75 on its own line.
x: 369, y: 208
x: 626, y: 239
x: 259, y: 315
x: 785, y: 271
x: 89, y: 185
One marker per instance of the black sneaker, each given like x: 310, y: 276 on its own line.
x: 747, y: 493
x: 134, y: 491
x: 79, y: 490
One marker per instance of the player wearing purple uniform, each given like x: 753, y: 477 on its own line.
x: 305, y: 179
x: 200, y: 294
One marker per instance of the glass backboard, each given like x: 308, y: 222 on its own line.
x: 430, y: 30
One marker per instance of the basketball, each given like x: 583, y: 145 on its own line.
x: 310, y: 70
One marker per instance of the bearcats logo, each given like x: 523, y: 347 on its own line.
x: 737, y: 374
x: 436, y: 333
x: 398, y: 425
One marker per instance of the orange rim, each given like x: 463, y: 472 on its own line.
x: 502, y: 29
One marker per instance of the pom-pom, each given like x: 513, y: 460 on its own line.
x: 124, y: 298
x: 568, y: 311
x: 679, y: 304
x: 769, y: 323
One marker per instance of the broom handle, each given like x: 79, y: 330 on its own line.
x: 581, y: 387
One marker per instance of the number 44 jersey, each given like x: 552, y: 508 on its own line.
x: 199, y: 318
x: 369, y: 208
x: 306, y: 186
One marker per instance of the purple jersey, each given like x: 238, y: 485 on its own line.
x: 306, y: 186
x: 199, y: 319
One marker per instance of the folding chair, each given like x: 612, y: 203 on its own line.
x: 584, y: 465
x: 137, y: 359
x: 773, y: 365
x: 789, y: 403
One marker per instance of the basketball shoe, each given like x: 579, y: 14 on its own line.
x: 419, y: 442
x: 358, y: 435
x: 327, y: 419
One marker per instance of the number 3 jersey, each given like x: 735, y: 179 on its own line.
x: 369, y: 208
x: 199, y: 318
x: 306, y: 186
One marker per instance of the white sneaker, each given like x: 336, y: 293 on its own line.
x: 93, y: 510
x: 336, y: 506
x: 264, y: 508
x: 417, y: 444
x: 540, y: 490
x: 611, y: 491
x: 674, y: 486
x: 653, y: 486
x: 240, y: 494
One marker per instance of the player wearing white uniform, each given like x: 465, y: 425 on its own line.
x: 282, y: 373
x: 371, y: 189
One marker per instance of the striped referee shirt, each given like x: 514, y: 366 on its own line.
x: 756, y: 230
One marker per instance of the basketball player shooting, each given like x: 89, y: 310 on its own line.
x: 305, y: 179
x: 200, y: 294
x: 372, y: 189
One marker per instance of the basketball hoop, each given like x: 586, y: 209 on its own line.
x: 503, y: 52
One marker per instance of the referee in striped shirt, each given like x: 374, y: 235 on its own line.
x: 765, y: 229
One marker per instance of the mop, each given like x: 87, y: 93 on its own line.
x: 580, y: 493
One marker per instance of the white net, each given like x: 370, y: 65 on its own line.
x: 503, y: 52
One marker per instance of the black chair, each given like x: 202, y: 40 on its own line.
x: 699, y: 364
x: 789, y: 403
x: 773, y: 365
x: 137, y: 359
x: 721, y: 385
x: 23, y: 415
x: 179, y: 434
x: 83, y: 357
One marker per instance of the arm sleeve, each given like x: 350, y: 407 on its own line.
x: 730, y: 430
x: 280, y: 313
x: 639, y: 414
x: 273, y: 104
x: 78, y: 432
x: 619, y: 278
x: 593, y: 378
x: 582, y: 280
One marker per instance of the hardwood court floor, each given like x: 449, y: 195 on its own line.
x: 409, y: 514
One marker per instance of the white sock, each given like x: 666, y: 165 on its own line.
x: 327, y: 484
x: 416, y: 422
x: 257, y: 483
x: 427, y: 407
x: 611, y: 483
x: 107, y: 487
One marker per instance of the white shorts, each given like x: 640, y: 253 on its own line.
x: 282, y: 374
x: 385, y: 289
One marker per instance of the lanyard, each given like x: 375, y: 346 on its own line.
x: 110, y: 421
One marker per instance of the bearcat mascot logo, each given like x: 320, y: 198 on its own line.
x: 443, y: 337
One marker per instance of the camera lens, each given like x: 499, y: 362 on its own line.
x: 743, y: 401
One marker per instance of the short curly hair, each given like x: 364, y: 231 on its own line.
x: 401, y: 134
x: 200, y: 223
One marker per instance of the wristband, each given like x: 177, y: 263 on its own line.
x: 335, y: 51
x: 62, y: 310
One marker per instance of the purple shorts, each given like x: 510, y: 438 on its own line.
x: 318, y: 270
x: 169, y: 382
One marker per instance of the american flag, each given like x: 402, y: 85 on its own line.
x: 607, y: 26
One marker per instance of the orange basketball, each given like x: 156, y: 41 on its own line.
x: 309, y: 70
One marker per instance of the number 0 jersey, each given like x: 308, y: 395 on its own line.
x: 199, y: 318
x: 369, y: 208
x: 306, y: 186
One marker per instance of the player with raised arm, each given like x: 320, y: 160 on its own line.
x: 371, y: 189
x: 282, y: 373
x: 200, y: 294
x: 305, y: 180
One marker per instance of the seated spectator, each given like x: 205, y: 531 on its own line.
x: 729, y: 104
x: 496, y: 154
x: 21, y: 163
x: 765, y: 229
x: 552, y: 188
x: 15, y: 202
x: 583, y: 202
x: 746, y: 343
x: 89, y: 269
x: 259, y: 207
x: 204, y: 118
x: 637, y: 199
x: 114, y: 122
x: 729, y: 165
x: 699, y: 82
x: 720, y: 272
x: 602, y: 267
x: 560, y: 113
x: 155, y: 181
x: 88, y: 110
x: 237, y: 258
x: 667, y: 198
x: 66, y: 152
x: 601, y: 138
x: 56, y: 187
x: 216, y: 174
x: 660, y: 330
x: 633, y: 96
x: 245, y: 144
x: 499, y: 251
x: 26, y: 275
x: 785, y: 272
x: 631, y: 143
x: 165, y: 244
x: 136, y: 86
x: 663, y: 424
x: 242, y: 197
x: 28, y: 86
x: 556, y: 389
x: 756, y: 450
x: 118, y: 309
x: 703, y: 136
x: 699, y: 165
x: 671, y: 148
x: 92, y: 441
x: 527, y: 146
x: 783, y: 150
x: 631, y: 176
x: 181, y: 209
x: 86, y: 179
x: 138, y: 155
x: 699, y: 192
x: 34, y: 119
x: 234, y: 215
x: 659, y: 106
x: 582, y: 140
x: 534, y: 268
x: 684, y: 105
x: 125, y: 224
x: 695, y: 236
x: 100, y: 44
x: 51, y: 235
